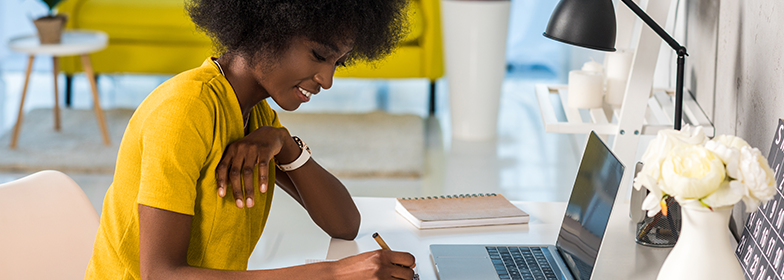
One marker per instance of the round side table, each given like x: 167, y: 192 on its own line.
x: 74, y: 42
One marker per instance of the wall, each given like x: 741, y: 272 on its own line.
x: 701, y: 42
x: 750, y: 70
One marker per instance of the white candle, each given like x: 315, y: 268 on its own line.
x: 619, y: 65
x: 593, y: 66
x: 585, y: 89
x: 616, y: 87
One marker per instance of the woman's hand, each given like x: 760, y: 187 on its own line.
x: 240, y: 157
x: 379, y: 264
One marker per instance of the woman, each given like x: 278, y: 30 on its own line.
x: 210, y: 130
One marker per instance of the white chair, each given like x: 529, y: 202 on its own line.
x: 47, y: 228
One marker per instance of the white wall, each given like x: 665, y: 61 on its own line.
x: 16, y: 19
x: 701, y: 42
x: 750, y: 70
x: 2, y: 52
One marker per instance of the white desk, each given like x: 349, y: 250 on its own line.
x: 290, y: 238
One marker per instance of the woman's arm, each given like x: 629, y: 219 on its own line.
x: 163, y: 246
x: 324, y: 197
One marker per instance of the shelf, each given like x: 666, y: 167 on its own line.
x: 658, y: 116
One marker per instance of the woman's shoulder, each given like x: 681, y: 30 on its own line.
x: 203, y: 85
x: 195, y: 81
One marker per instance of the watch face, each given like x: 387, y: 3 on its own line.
x: 301, y: 144
x: 298, y: 141
x: 301, y: 160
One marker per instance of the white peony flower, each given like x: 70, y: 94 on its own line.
x: 660, y: 147
x: 651, y: 202
x: 691, y: 172
x: 756, y: 181
x: 727, y: 147
x: 724, y: 196
x: 720, y: 172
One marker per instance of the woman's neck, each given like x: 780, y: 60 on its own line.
x: 239, y: 73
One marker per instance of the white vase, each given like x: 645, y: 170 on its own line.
x: 475, y: 55
x: 703, y: 250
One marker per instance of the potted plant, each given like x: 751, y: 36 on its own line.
x: 50, y: 27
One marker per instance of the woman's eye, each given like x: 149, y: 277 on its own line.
x: 318, y: 57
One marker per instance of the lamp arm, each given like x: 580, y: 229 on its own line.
x: 655, y: 26
x: 681, y: 50
x: 679, y: 91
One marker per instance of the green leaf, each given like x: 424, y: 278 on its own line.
x: 51, y: 4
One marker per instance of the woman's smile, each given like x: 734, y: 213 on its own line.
x: 304, y: 94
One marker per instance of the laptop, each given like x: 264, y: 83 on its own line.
x: 573, y: 256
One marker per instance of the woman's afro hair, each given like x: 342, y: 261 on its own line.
x: 251, y: 28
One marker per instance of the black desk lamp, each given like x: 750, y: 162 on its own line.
x: 591, y: 24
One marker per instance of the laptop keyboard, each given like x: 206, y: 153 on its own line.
x: 520, y: 263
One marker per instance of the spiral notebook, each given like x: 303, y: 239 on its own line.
x: 460, y: 211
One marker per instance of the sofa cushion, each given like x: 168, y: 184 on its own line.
x: 167, y: 21
x: 416, y: 22
x: 139, y: 20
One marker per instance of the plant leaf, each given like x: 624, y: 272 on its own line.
x: 52, y: 3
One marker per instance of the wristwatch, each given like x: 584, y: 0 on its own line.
x: 300, y: 161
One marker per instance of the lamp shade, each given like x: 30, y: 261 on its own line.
x: 584, y: 23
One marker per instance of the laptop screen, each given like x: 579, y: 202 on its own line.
x: 588, y: 210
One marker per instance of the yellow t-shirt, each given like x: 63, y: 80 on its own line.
x: 167, y: 160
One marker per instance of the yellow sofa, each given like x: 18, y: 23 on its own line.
x: 157, y: 37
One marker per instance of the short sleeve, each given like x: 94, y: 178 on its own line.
x: 267, y: 116
x: 176, y: 140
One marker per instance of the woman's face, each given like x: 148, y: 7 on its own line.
x: 301, y: 72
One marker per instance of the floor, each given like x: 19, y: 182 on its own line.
x: 523, y: 163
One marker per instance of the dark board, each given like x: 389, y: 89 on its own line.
x: 761, y: 246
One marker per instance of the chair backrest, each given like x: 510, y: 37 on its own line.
x: 47, y: 228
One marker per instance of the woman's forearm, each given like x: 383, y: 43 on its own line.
x: 309, y: 271
x: 325, y: 198
x: 163, y: 245
x: 327, y: 201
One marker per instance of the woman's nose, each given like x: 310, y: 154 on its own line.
x: 324, y: 77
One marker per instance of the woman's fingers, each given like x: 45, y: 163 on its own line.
x: 399, y: 265
x: 236, y: 168
x: 235, y: 177
x: 222, y: 174
x: 404, y: 259
x: 263, y: 173
x: 399, y: 272
x: 247, y: 175
x: 378, y: 264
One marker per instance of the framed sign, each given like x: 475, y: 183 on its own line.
x: 761, y: 246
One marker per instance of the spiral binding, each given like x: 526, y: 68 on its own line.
x: 451, y: 196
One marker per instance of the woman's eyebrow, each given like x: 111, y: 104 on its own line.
x: 334, y: 48
x: 327, y: 46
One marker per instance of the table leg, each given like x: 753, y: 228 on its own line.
x: 18, y: 125
x: 56, y: 68
x: 88, y: 69
x: 68, y: 86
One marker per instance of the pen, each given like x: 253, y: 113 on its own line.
x: 380, y: 241
x: 384, y: 246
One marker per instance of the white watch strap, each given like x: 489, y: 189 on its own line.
x: 299, y: 162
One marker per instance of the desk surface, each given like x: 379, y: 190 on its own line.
x: 291, y: 238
